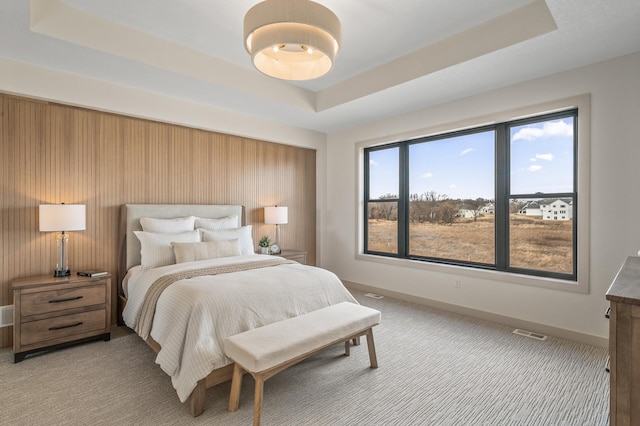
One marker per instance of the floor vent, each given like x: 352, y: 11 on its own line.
x: 531, y: 334
x: 373, y: 295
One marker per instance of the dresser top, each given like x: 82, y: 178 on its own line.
x: 626, y: 285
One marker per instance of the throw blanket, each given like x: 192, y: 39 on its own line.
x: 146, y: 313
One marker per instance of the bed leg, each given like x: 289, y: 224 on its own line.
x: 196, y: 399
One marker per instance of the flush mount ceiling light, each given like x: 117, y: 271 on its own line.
x: 292, y: 39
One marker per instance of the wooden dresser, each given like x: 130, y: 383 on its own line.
x: 51, y: 312
x: 624, y: 344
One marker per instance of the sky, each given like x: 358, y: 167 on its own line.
x: 464, y: 166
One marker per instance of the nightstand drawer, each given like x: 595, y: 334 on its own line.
x: 60, y: 300
x: 295, y: 255
x: 62, y: 327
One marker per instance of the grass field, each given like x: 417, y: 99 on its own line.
x: 535, y: 243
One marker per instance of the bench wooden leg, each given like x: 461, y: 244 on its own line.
x: 347, y: 348
x: 196, y: 400
x: 372, y: 349
x: 236, y: 386
x: 257, y: 399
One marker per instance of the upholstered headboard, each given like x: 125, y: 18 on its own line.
x: 130, y: 215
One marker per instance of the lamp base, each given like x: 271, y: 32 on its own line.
x: 61, y: 273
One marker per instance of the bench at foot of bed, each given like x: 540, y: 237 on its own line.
x: 264, y: 352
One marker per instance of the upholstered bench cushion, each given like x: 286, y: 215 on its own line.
x: 265, y: 347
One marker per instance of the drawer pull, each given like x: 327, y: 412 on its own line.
x: 66, y: 300
x: 65, y: 326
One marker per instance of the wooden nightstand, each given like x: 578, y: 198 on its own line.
x: 297, y: 255
x: 54, y: 312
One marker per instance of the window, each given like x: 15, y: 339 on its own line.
x: 485, y: 198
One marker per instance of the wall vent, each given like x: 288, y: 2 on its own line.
x: 6, y: 316
x: 531, y: 334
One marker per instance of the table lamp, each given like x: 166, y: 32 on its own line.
x: 276, y: 215
x: 62, y: 217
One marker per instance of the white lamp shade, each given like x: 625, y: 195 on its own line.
x: 276, y: 215
x: 62, y: 217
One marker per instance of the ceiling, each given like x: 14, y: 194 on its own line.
x: 396, y: 56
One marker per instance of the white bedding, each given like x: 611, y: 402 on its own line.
x: 193, y: 316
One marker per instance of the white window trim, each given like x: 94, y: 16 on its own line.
x: 583, y: 103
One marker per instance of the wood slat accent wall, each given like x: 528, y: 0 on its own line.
x: 51, y: 153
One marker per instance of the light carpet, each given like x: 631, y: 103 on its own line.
x: 436, y: 368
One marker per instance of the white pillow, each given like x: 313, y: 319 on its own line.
x: 168, y: 226
x: 229, y: 222
x: 156, y: 250
x: 243, y: 234
x: 188, y: 252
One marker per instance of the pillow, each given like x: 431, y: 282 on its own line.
x: 168, y: 226
x: 188, y: 252
x: 243, y: 234
x: 229, y: 222
x: 156, y: 250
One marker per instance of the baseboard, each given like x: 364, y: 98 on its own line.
x: 487, y: 316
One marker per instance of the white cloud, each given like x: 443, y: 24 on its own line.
x: 548, y: 157
x: 453, y: 186
x: 533, y: 159
x: 427, y: 175
x: 554, y: 128
x: 466, y: 151
x: 373, y: 162
x: 534, y: 168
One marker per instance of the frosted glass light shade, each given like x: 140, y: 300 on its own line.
x: 292, y: 39
x: 62, y: 217
x: 276, y: 215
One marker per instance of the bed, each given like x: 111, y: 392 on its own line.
x: 184, y: 286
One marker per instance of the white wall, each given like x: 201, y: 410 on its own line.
x: 615, y: 200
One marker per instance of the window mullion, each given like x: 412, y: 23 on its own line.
x: 502, y: 197
x: 403, y: 201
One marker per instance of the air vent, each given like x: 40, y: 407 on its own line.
x: 373, y: 295
x: 6, y: 316
x: 531, y: 334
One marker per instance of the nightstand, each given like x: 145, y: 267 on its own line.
x: 297, y: 255
x: 53, y: 312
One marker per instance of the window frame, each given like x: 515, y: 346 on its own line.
x: 580, y: 279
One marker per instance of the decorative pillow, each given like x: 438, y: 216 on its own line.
x: 156, y: 250
x: 229, y: 222
x: 168, y: 226
x: 243, y: 234
x: 188, y: 252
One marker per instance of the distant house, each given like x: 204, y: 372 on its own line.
x: 549, y: 209
x: 559, y: 209
x: 489, y: 208
x: 532, y: 208
x: 466, y: 213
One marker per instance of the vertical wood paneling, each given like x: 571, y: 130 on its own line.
x: 52, y: 153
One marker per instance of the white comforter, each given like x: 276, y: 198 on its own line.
x: 193, y: 316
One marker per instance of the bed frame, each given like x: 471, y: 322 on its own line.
x: 130, y: 215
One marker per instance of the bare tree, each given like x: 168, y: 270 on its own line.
x: 446, y: 212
